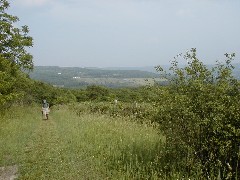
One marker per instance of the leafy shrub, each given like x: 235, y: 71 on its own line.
x: 97, y: 93
x: 140, y: 112
x: 8, y: 80
x: 200, y: 116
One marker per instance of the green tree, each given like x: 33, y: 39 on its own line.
x: 200, y: 116
x: 97, y: 93
x: 14, y: 41
x: 13, y: 55
x: 7, y: 81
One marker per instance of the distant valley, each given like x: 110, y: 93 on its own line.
x: 114, y: 77
x: 76, y: 77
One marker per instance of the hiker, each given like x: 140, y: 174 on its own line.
x: 45, y: 109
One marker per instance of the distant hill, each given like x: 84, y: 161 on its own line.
x: 76, y: 77
x: 146, y: 68
x: 236, y: 70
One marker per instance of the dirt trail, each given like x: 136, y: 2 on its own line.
x: 8, y: 173
x: 50, y: 153
x: 40, y: 151
x: 37, y: 153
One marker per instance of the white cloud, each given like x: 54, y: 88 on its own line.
x: 33, y: 2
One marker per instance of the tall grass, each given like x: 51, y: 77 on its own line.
x: 113, y: 147
x: 141, y: 112
x: 84, y: 146
x: 16, y: 127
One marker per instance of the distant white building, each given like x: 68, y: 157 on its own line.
x: 61, y: 86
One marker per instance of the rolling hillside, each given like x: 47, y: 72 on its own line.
x: 75, y: 77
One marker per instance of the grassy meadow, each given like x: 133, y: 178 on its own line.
x: 78, y: 146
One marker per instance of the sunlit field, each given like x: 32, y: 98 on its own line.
x: 83, y: 146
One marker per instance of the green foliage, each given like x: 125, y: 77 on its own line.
x: 68, y: 146
x: 63, y: 97
x: 200, y: 116
x: 97, y: 93
x: 16, y: 128
x: 141, y: 112
x: 36, y: 91
x: 13, y: 57
x: 8, y: 79
x: 14, y: 41
x: 75, y: 77
x: 128, y: 94
x: 123, y: 149
x: 80, y: 94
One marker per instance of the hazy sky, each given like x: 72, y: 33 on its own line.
x: 112, y: 33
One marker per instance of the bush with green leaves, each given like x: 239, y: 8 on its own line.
x: 14, y: 40
x: 7, y: 81
x: 199, y: 113
x: 13, y: 55
x: 141, y: 112
x: 97, y: 93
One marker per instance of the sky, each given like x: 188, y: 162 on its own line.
x: 128, y: 33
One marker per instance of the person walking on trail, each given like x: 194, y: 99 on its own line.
x: 45, y: 109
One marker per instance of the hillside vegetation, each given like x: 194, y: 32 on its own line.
x: 83, y: 146
x: 74, y: 77
x: 187, y: 129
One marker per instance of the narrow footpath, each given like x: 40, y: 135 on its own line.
x: 41, y: 154
x: 50, y: 153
